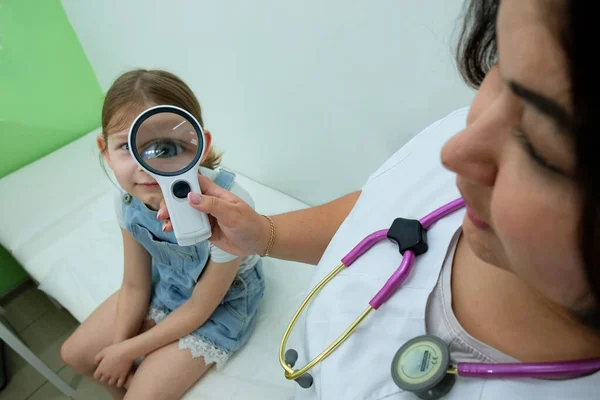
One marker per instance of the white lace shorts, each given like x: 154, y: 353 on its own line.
x: 198, y: 347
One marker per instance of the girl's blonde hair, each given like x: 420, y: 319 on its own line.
x: 139, y: 89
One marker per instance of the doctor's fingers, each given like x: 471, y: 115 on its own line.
x: 207, y: 187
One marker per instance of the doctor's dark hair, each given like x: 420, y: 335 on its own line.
x: 139, y: 89
x: 477, y: 53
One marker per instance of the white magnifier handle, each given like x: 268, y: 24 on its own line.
x: 168, y: 143
x: 189, y: 225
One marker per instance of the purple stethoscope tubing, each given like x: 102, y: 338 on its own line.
x: 408, y: 259
x: 473, y: 370
x: 560, y: 369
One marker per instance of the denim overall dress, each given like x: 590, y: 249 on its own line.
x: 175, y: 272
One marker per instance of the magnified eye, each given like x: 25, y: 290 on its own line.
x: 162, y: 149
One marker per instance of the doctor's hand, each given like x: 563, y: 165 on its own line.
x: 236, y: 227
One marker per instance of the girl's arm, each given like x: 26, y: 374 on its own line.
x: 207, y: 295
x: 134, y: 295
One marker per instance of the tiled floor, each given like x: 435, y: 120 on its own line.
x: 44, y: 328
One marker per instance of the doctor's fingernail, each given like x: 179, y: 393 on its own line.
x: 194, y: 198
x: 164, y: 227
x: 159, y: 214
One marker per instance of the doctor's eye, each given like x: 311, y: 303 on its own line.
x: 532, y: 152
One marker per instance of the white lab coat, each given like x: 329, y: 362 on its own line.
x: 410, y: 184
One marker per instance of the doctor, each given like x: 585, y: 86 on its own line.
x: 514, y: 277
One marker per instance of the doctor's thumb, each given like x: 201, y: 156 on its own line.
x: 207, y: 204
x: 194, y: 198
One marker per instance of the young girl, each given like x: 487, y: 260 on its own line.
x: 180, y: 308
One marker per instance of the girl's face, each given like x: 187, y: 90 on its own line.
x: 131, y: 177
x: 515, y: 159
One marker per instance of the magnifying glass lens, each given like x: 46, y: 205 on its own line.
x: 167, y: 142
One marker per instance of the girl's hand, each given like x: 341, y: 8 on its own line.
x: 236, y: 227
x: 113, y: 365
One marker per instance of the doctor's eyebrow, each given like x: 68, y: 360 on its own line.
x: 546, y: 106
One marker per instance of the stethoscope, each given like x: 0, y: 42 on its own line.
x: 422, y: 365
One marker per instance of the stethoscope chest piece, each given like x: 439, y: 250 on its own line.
x: 421, y: 366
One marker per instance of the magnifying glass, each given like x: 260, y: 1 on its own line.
x: 168, y: 143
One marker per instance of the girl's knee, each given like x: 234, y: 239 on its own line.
x: 76, y: 356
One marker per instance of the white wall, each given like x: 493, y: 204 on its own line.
x: 308, y: 97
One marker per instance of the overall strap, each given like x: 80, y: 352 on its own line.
x: 225, y: 179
